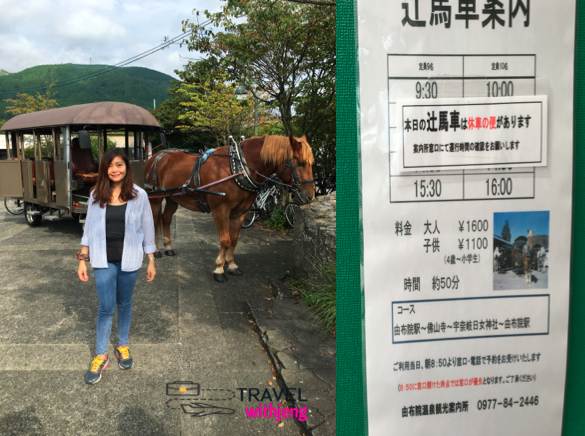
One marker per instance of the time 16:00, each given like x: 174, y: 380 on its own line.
x: 433, y: 188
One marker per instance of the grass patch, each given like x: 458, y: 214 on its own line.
x: 319, y: 293
x: 277, y: 221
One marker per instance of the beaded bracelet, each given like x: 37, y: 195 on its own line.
x: 82, y: 256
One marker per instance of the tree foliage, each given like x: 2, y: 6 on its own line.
x: 506, y: 234
x: 282, y: 50
x: 25, y: 103
x: 95, y: 146
x: 212, y: 106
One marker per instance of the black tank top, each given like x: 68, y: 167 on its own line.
x: 115, y: 226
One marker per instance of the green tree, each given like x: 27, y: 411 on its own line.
x: 95, y: 146
x: 506, y: 234
x: 213, y: 107
x: 281, y: 51
x: 25, y: 103
x: 46, y: 148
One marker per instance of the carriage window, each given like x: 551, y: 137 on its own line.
x: 29, y: 149
x: 47, y: 150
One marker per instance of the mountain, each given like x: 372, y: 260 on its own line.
x: 134, y: 85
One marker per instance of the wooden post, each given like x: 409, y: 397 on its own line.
x: 126, y: 143
x: 21, y: 146
x: 100, y: 145
x: 14, y: 145
x: 36, y: 145
x: 56, y: 147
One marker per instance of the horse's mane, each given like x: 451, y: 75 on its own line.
x: 277, y: 149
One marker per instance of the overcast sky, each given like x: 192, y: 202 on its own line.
x: 42, y: 32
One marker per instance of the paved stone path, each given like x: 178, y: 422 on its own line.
x: 186, y: 328
x: 302, y: 353
x: 510, y: 280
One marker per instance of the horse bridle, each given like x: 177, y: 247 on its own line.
x: 293, y: 187
x: 297, y: 182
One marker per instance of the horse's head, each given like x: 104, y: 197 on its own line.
x: 292, y: 160
x: 297, y: 172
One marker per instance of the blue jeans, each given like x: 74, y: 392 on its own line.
x: 114, y: 288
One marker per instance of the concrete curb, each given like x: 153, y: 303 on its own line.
x: 301, y: 353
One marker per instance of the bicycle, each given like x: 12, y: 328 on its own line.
x: 267, y: 200
x: 14, y: 206
x: 324, y: 186
x: 289, y: 213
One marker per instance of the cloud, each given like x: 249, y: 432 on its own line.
x: 39, y: 32
x: 87, y: 26
x: 22, y: 53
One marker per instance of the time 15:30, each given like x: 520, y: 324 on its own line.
x: 428, y: 189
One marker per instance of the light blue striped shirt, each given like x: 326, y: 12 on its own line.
x: 138, y: 232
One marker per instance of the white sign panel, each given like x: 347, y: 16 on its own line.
x: 476, y: 132
x: 466, y: 181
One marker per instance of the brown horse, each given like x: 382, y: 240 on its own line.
x: 289, y: 157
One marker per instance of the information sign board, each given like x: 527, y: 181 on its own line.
x: 466, y: 231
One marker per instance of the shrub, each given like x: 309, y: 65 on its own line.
x: 320, y: 294
x: 277, y: 221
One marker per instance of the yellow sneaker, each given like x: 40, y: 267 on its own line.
x: 123, y: 356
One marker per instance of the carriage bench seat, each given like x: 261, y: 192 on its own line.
x: 86, y: 178
x: 51, y: 169
x: 85, y: 168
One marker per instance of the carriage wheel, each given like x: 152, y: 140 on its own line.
x: 14, y: 206
x: 252, y: 215
x: 32, y: 218
x: 289, y: 213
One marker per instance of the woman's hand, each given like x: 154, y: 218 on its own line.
x: 151, y: 271
x: 82, y: 271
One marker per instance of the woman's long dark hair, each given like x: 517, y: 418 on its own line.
x: 103, y: 189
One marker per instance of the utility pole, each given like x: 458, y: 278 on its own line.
x: 255, y: 115
x: 90, y: 61
x: 255, y: 112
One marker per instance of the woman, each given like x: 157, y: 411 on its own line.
x: 119, y: 229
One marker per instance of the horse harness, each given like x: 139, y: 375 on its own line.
x: 238, y: 165
x: 246, y: 181
x: 201, y: 203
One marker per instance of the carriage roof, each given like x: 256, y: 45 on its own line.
x: 103, y: 113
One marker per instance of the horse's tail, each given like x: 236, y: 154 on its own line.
x: 156, y: 207
x: 158, y: 218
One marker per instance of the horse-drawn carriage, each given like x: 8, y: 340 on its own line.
x: 56, y: 180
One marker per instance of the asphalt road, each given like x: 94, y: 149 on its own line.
x: 186, y: 328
